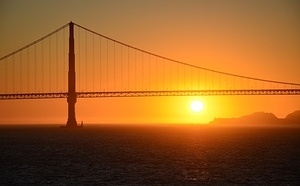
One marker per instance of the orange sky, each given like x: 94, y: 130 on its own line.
x: 251, y: 38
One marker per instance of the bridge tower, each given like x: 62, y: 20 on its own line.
x: 72, y: 97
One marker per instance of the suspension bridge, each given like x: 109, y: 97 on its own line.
x: 104, y: 67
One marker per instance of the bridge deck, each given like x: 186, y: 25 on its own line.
x: 153, y: 93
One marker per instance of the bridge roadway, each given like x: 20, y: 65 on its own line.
x: 153, y: 93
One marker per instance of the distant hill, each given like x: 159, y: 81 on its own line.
x: 260, y: 119
x: 293, y: 118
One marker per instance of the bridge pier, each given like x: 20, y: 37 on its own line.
x: 72, y: 96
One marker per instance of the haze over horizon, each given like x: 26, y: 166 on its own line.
x: 252, y: 38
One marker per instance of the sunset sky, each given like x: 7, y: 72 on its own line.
x: 252, y: 38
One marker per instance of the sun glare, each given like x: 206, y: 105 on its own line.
x: 197, y: 106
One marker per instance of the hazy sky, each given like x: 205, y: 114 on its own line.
x: 253, y: 38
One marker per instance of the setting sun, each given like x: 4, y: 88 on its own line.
x: 197, y: 106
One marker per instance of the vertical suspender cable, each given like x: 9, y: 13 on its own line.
x: 56, y: 37
x: 86, y: 61
x: 42, y: 56
x: 149, y: 76
x: 163, y: 68
x: 205, y: 83
x: 114, y: 65
x: 64, y: 61
x: 227, y: 82
x: 107, y: 65
x: 156, y: 71
x: 28, y: 70
x: 170, y: 66
x: 13, y: 74
x: 198, y: 77
x: 135, y: 79
x: 128, y: 69
x: 5, y: 75
x: 121, y: 67
x: 79, y: 60
x: 191, y: 85
x: 177, y: 75
x: 21, y: 72
x: 35, y: 70
x: 212, y: 80
x: 219, y: 83
x: 93, y: 64
x: 170, y: 75
x: 49, y: 64
x: 142, y: 71
x: 184, y: 85
x: 100, y: 63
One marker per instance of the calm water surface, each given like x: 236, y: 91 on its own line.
x: 148, y: 155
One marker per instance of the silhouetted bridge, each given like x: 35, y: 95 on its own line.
x: 109, y: 68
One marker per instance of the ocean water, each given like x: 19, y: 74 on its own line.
x: 148, y: 155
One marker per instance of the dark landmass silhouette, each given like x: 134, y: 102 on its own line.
x: 260, y: 119
x: 294, y: 116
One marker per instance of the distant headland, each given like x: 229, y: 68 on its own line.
x: 260, y: 119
